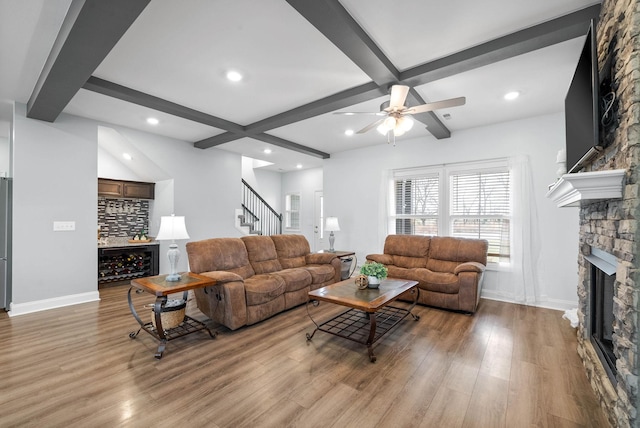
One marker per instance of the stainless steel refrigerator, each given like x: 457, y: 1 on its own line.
x: 5, y: 242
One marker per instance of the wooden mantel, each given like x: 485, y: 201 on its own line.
x: 570, y: 189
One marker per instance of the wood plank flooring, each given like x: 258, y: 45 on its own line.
x: 506, y: 366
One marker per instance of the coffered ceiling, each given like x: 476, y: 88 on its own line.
x: 123, y: 61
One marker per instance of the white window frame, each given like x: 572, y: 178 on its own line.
x: 444, y: 173
x: 289, y: 211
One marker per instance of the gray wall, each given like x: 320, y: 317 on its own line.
x: 55, y: 178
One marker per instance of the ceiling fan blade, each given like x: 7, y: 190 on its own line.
x: 371, y: 126
x: 350, y: 113
x: 453, y: 102
x: 398, y: 97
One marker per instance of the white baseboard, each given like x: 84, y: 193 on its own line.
x: 541, y: 302
x: 56, y: 302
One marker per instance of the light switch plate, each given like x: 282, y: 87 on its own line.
x: 64, y: 226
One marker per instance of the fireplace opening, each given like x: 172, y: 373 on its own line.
x: 602, y: 316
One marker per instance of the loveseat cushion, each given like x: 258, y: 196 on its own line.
x: 262, y: 254
x: 228, y: 254
x: 441, y: 282
x: 408, y: 251
x: 291, y: 250
x: 263, y: 288
x: 446, y: 253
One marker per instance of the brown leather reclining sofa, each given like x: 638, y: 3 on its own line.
x: 258, y: 276
x: 449, y: 270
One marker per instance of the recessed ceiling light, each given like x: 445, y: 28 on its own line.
x: 152, y: 121
x: 299, y: 166
x: 348, y: 132
x: 127, y: 156
x: 234, y: 76
x: 267, y: 151
x: 511, y: 95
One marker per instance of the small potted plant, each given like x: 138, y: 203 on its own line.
x: 375, y: 272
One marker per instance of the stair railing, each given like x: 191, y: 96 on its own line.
x: 266, y: 220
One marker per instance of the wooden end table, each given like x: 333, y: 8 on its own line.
x: 370, y: 315
x: 159, y: 287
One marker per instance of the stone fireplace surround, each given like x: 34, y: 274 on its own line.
x: 610, y: 224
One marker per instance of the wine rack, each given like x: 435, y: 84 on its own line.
x: 122, y: 264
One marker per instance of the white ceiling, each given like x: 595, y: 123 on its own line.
x: 180, y: 51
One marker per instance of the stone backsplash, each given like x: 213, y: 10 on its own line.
x: 612, y: 226
x: 122, y: 218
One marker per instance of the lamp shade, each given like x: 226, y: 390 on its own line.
x: 332, y: 224
x: 172, y: 227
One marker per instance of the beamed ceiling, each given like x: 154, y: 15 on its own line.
x: 120, y: 61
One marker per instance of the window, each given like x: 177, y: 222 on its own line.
x: 292, y: 211
x: 473, y: 203
x: 416, y: 205
x: 480, y: 208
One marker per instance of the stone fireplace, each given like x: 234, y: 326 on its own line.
x: 608, y: 195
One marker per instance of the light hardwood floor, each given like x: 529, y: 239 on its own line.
x: 507, y: 366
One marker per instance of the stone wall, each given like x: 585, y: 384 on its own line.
x: 612, y: 225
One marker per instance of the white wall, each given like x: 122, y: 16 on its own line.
x: 352, y: 182
x: 55, y: 178
x: 4, y: 157
x: 267, y: 183
x: 306, y: 183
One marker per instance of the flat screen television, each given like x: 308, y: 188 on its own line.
x: 581, y: 107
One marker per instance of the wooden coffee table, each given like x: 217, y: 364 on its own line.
x: 370, y: 315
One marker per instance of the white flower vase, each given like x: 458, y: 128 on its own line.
x: 374, y: 281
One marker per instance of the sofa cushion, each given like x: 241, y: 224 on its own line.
x: 446, y: 253
x: 321, y: 273
x: 262, y: 254
x: 295, y: 278
x: 228, y: 254
x: 263, y: 288
x: 291, y: 250
x: 408, y: 251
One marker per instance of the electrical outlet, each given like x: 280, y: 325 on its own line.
x: 64, y: 226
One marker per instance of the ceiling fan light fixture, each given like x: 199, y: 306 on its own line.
x: 382, y: 128
x: 390, y: 122
x: 398, y: 131
x: 405, y: 123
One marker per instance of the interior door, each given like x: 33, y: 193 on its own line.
x: 318, y: 222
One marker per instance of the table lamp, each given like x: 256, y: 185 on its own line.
x: 172, y: 228
x: 331, y: 226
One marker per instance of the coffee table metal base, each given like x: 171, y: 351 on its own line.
x: 362, y: 327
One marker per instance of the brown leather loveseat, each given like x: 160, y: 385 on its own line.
x: 258, y: 276
x: 449, y: 270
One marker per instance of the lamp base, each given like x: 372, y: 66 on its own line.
x: 173, y: 277
x: 174, y: 255
x: 332, y: 239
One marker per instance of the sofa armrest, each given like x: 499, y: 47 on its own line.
x: 385, y: 259
x: 319, y: 258
x: 469, y: 267
x: 222, y: 276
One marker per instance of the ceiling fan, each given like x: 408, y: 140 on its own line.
x: 397, y: 115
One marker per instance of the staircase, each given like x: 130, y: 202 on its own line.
x: 256, y: 217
